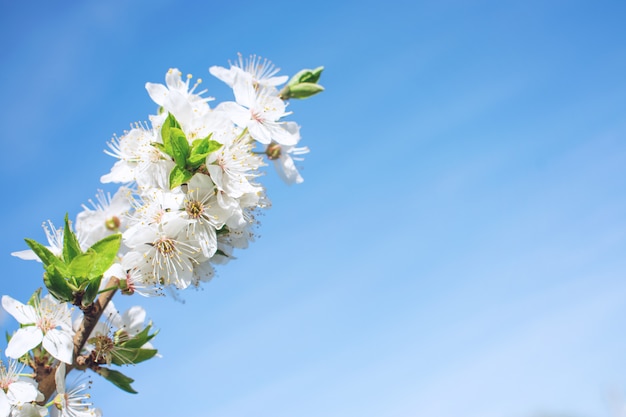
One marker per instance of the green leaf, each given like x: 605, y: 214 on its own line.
x: 81, y: 266
x: 57, y: 284
x: 200, y: 149
x: 169, y: 123
x: 304, y: 90
x: 91, y: 292
x: 118, y: 379
x: 180, y: 147
x: 179, y: 176
x: 139, y: 339
x: 42, y: 252
x: 71, y: 247
x: 106, y: 251
x: 132, y: 356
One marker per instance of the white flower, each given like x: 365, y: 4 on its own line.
x: 232, y: 166
x: 167, y: 253
x: 204, y: 214
x: 17, y: 392
x: 260, y: 112
x: 138, y: 159
x: 261, y: 72
x: 48, y: 323
x: 106, y: 216
x: 72, y: 403
x: 284, y: 161
x: 177, y: 98
x: 134, y: 276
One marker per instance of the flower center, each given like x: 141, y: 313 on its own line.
x: 45, y: 323
x: 195, y: 209
x: 103, y: 346
x: 165, y: 246
x: 112, y: 223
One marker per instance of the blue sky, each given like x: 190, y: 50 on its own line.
x: 458, y: 245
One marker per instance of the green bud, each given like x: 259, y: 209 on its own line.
x: 303, y: 84
x: 305, y: 90
x: 306, y: 76
x: 273, y: 151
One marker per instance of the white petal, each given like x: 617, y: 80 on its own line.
x: 23, y: 340
x: 134, y: 319
x: 287, y: 170
x: 59, y: 378
x: 27, y: 255
x: 22, y: 392
x: 32, y: 410
x: 5, y: 406
x: 223, y: 74
x: 157, y: 92
x: 23, y: 313
x: 59, y: 344
x: 243, y: 89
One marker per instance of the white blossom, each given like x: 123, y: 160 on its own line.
x: 48, y: 323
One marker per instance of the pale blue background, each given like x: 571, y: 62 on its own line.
x: 458, y: 248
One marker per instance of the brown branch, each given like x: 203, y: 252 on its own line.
x: 92, y: 313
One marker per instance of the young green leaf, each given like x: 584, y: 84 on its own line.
x: 106, y: 251
x: 200, y: 149
x: 56, y: 284
x: 180, y: 147
x: 139, y: 339
x: 132, y: 356
x: 179, y: 176
x: 91, y: 292
x: 169, y: 123
x: 81, y: 266
x: 71, y: 247
x: 118, y: 379
x: 42, y: 252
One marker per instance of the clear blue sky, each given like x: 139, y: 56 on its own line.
x: 458, y: 247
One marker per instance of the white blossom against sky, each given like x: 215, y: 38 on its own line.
x: 457, y: 247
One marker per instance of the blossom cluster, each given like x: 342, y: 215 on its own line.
x: 188, y: 196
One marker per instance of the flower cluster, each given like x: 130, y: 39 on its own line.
x: 194, y: 173
x: 188, y: 196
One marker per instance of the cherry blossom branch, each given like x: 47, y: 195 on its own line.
x: 44, y: 375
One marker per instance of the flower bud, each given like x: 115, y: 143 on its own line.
x: 273, y: 151
x: 303, y: 84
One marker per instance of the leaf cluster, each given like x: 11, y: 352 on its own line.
x: 189, y: 158
x: 75, y: 275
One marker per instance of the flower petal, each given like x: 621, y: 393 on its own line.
x: 23, y: 340
x: 22, y: 392
x: 59, y: 344
x: 23, y: 313
x: 5, y: 406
